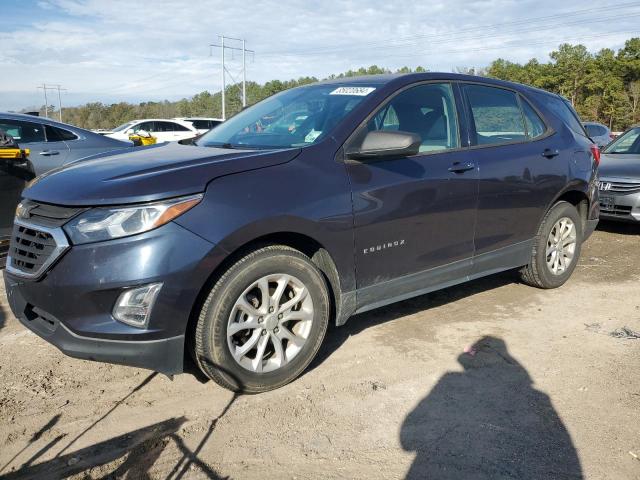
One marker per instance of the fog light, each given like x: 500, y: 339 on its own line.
x: 134, y: 306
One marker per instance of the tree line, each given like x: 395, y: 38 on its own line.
x: 603, y: 86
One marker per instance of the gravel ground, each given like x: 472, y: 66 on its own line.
x: 545, y: 390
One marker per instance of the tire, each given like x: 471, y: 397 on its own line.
x: 539, y: 273
x: 238, y: 297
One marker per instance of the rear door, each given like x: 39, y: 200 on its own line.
x: 522, y: 167
x: 417, y: 213
x: 45, y: 153
x: 172, y: 131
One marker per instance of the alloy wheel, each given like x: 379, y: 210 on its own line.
x: 561, y: 246
x: 270, y: 323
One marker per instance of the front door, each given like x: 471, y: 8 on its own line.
x: 414, y: 217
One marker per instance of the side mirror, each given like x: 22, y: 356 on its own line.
x: 387, y: 144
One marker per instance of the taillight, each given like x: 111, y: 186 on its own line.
x: 595, y: 151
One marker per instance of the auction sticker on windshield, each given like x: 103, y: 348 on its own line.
x: 358, y: 91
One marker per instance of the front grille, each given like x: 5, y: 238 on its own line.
x: 33, y: 249
x: 619, y: 187
x: 616, y: 210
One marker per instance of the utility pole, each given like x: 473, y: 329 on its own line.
x: 224, y: 87
x: 225, y: 71
x: 59, y: 88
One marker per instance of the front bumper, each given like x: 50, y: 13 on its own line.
x: 620, y: 207
x: 71, y: 305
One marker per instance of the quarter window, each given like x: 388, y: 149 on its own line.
x: 496, y: 115
x: 535, y: 125
x: 426, y: 110
x: 55, y: 134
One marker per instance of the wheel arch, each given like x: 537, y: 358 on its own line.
x: 576, y: 195
x: 309, y: 246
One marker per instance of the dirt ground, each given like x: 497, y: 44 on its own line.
x: 552, y: 392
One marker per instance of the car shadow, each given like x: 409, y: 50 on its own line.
x: 623, y: 228
x: 135, y: 451
x: 488, y: 422
x: 337, y: 336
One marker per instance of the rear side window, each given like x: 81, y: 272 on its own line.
x: 535, y: 125
x: 55, y: 134
x: 426, y: 110
x: 23, y: 132
x: 496, y: 115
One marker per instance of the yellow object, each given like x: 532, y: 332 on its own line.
x: 14, y: 153
x: 140, y: 141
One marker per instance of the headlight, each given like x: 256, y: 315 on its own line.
x: 98, y: 224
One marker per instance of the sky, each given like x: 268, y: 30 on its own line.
x: 127, y: 50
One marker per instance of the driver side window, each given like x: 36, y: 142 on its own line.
x: 426, y: 110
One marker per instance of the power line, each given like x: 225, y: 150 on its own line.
x: 225, y: 71
x: 458, y: 35
x: 57, y: 87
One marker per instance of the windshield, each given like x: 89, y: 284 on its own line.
x: 294, y: 118
x: 629, y: 143
x: 124, y: 126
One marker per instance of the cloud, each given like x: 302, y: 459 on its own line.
x: 153, y: 50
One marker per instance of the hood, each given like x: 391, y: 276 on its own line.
x: 147, y: 174
x: 619, y: 166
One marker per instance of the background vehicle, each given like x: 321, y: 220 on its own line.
x: 51, y: 144
x: 163, y: 130
x: 202, y: 124
x: 243, y: 252
x: 599, y: 133
x: 620, y: 178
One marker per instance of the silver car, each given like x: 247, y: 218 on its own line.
x: 599, y: 133
x: 54, y: 144
x: 620, y: 178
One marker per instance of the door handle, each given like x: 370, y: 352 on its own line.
x: 548, y: 153
x: 48, y: 153
x: 460, y: 167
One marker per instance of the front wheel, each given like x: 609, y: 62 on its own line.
x: 263, y: 321
x: 556, y: 248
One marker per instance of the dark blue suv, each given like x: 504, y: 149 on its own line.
x: 315, y: 204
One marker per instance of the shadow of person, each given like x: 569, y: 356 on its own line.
x: 488, y: 422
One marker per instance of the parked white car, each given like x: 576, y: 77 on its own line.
x: 163, y: 130
x: 202, y: 124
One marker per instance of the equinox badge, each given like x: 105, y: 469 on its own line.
x: 384, y: 246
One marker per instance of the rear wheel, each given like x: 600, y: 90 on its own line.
x: 556, y: 248
x: 263, y: 321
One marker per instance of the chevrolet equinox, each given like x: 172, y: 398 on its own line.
x: 314, y: 204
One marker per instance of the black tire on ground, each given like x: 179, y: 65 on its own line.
x: 211, y: 349
x: 537, y: 273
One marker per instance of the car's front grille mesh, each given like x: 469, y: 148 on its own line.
x: 617, y: 210
x: 30, y: 249
x: 622, y: 187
